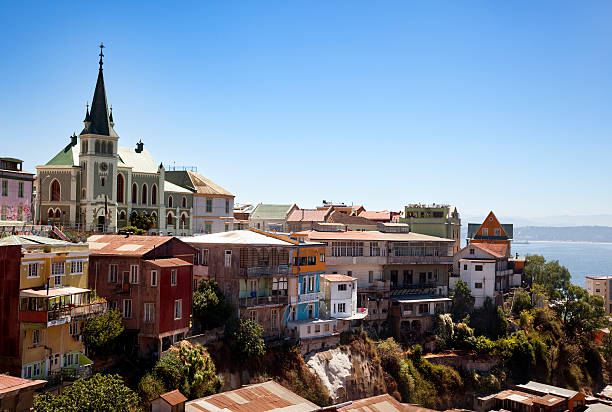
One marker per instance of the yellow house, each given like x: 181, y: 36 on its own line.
x: 54, y: 301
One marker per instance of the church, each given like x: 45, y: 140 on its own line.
x: 92, y: 184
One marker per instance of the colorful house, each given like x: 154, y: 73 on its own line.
x: 15, y: 191
x: 490, y: 231
x: 272, y: 218
x: 434, y: 220
x: 46, y: 295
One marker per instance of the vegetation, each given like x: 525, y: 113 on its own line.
x: 97, y: 394
x: 184, y: 367
x: 142, y: 220
x: 248, y: 340
x: 463, y: 302
x: 132, y: 230
x: 101, y: 333
x: 209, y: 306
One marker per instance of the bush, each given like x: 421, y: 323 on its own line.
x: 248, y: 340
x: 522, y: 301
x: 132, y: 230
x: 484, y: 345
x: 209, y: 306
x: 101, y: 333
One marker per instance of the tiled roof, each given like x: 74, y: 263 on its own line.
x: 239, y: 237
x: 169, y: 262
x: 262, y: 397
x: 339, y: 278
x: 174, y: 397
x: 139, y: 162
x: 265, y: 211
x: 307, y: 215
x: 120, y: 245
x: 11, y: 383
x: 496, y: 249
x: 339, y: 217
x: 373, y: 236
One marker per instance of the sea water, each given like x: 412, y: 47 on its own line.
x: 581, y: 259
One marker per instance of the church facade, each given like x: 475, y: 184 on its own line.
x: 93, y: 184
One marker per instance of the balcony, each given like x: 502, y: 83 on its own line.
x: 263, y: 301
x: 356, y: 260
x: 63, y: 314
x: 310, y: 297
x: 258, y: 271
x: 421, y: 260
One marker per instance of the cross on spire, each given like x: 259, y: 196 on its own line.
x: 101, y: 46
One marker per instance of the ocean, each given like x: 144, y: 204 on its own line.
x: 581, y: 259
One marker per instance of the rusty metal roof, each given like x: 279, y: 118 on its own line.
x: 10, y: 384
x: 120, y: 245
x: 169, y: 262
x: 381, y: 403
x: 174, y: 397
x: 261, y: 397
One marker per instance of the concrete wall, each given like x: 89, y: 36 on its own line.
x: 486, y: 277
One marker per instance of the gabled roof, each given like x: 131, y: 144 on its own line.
x: 543, y: 388
x: 260, y: 397
x: 307, y: 215
x: 30, y: 240
x: 68, y: 156
x: 10, y: 384
x: 174, y: 397
x: 139, y: 162
x: 495, y: 249
x: 171, y: 187
x: 196, y: 182
x: 267, y: 211
x: 240, y: 237
x: 339, y: 278
x: 120, y: 245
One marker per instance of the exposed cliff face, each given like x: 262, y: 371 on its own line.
x: 349, y: 373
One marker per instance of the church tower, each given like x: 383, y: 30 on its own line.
x: 98, y: 160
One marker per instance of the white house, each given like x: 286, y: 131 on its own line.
x: 340, y: 296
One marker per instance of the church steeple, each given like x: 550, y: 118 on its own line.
x: 99, y: 121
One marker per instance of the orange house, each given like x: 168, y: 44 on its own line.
x: 490, y: 231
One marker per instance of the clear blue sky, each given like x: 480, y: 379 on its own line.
x: 503, y: 106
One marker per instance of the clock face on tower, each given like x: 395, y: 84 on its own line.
x: 103, y: 167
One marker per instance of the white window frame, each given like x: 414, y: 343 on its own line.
x: 178, y: 304
x: 204, y: 257
x: 36, y: 336
x: 342, y: 307
x: 112, y: 274
x: 57, y: 280
x: 58, y: 268
x: 76, y: 267
x: 153, y: 277
x: 124, y: 306
x: 342, y: 287
x: 173, y: 277
x: 227, y: 258
x: 149, y: 312
x: 36, y: 369
x: 485, y: 231
x: 33, y: 270
x: 311, y: 284
x: 134, y: 274
x: 74, y: 328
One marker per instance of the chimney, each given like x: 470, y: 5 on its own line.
x: 139, y: 146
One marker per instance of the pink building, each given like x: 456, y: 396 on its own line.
x: 15, y: 191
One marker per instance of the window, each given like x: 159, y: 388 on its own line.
x: 310, y: 311
x: 154, y: 278
x: 57, y: 268
x: 322, y: 257
x: 27, y: 371
x: 112, y: 273
x: 279, y: 286
x: 312, y: 260
x: 37, y: 369
x: 173, y: 277
x: 253, y: 316
x: 120, y: 188
x: 207, y: 227
x: 102, y: 180
x: 227, y: 227
x: 74, y: 328
x: 308, y: 329
x: 464, y: 267
x: 69, y: 359
x: 341, y: 307
x: 149, y: 312
x: 57, y: 280
x: 478, y: 268
x: 342, y: 287
x: 35, y: 336
x: 184, y: 202
x: 4, y: 210
x: 407, y: 277
x: 20, y: 193
x: 55, y: 190
x: 253, y: 288
x: 471, y: 251
x: 228, y: 258
x: 76, y: 267
x: 423, y: 308
x: 134, y: 274
x: 227, y: 208
x: 33, y: 270
x: 169, y: 220
x: 485, y: 231
x: 317, y: 328
x: 370, y: 276
x: 204, y: 257
x: 478, y: 285
x: 144, y: 194
x: 154, y: 195
x: 311, y: 283
x: 183, y: 220
x: 127, y: 308
x: 170, y: 200
x: 208, y: 205
x: 114, y: 305
x: 122, y: 215
x: 497, y: 231
x: 178, y: 309
x: 134, y: 193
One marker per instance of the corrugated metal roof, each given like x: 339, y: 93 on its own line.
x: 11, y: 383
x: 543, y: 388
x: 205, y: 186
x: 262, y: 397
x: 373, y: 236
x: 139, y: 162
x: 169, y: 262
x: 307, y: 215
x: 26, y: 240
x: 339, y: 278
x: 239, y: 237
x: 119, y: 245
x: 53, y: 292
x: 266, y: 211
x: 381, y: 403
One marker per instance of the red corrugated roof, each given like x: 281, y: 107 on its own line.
x: 496, y: 249
x: 174, y: 397
x: 307, y: 215
x: 124, y: 246
x: 12, y: 383
x: 373, y: 215
x: 169, y: 262
x: 381, y: 403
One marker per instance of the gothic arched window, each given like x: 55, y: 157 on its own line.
x: 169, y: 220
x: 144, y: 194
x: 120, y: 188
x: 55, y: 191
x: 184, y: 202
x: 154, y: 195
x: 170, y: 201
x: 134, y: 193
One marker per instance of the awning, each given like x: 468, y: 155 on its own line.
x: 53, y: 292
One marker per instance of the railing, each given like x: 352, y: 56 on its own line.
x: 428, y: 285
x: 431, y: 260
x: 310, y: 297
x: 88, y: 310
x: 263, y: 301
x: 267, y: 270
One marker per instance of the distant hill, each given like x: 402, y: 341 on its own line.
x: 566, y: 233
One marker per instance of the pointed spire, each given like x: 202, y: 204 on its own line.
x: 87, y: 117
x: 110, y: 117
x: 100, y: 123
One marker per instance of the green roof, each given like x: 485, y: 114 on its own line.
x: 263, y: 211
x: 68, y: 156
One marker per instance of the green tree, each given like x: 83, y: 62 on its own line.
x: 581, y: 312
x: 248, y: 338
x: 209, y: 306
x: 142, y: 220
x: 99, y: 393
x: 463, y: 302
x: 443, y: 329
x: 131, y: 230
x: 553, y: 277
x: 521, y: 302
x: 100, y: 333
x: 489, y: 320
